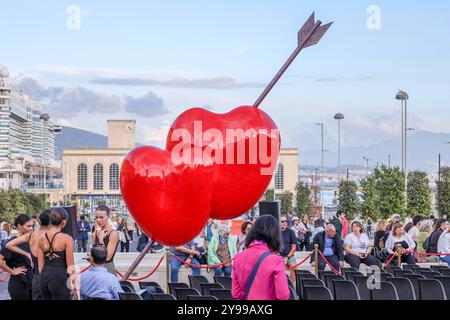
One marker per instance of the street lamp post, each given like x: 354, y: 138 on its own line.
x: 403, y: 97
x: 367, y: 164
x: 321, y: 170
x: 339, y: 117
x: 44, y: 117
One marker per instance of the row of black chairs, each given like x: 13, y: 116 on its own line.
x: 412, y: 283
x: 199, y: 288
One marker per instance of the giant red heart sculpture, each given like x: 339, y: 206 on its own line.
x: 170, y: 200
x: 244, y: 144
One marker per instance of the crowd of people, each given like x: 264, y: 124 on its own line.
x: 40, y: 258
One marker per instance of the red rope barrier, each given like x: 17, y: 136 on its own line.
x: 5, y: 278
x: 432, y: 253
x: 301, y: 262
x: 390, y: 260
x: 328, y: 263
x: 144, y: 277
x: 201, y: 267
x: 85, y: 269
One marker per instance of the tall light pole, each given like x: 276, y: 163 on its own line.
x: 403, y: 97
x: 339, y: 117
x: 366, y: 159
x: 406, y: 148
x: 44, y: 117
x: 321, y: 170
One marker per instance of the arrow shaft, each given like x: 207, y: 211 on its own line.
x: 285, y: 66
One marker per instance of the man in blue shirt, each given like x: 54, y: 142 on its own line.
x: 83, y: 229
x: 97, y: 282
x: 330, y: 244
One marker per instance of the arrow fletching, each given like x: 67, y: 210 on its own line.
x: 317, y: 35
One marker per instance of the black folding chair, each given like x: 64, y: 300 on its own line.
x: 404, y: 287
x: 162, y: 296
x: 204, y: 298
x: 386, y: 291
x: 205, y: 287
x: 317, y: 293
x: 173, y: 285
x: 127, y: 286
x: 330, y: 277
x: 195, y: 282
x: 410, y: 266
x: 445, y: 281
x: 401, y: 273
x: 221, y: 294
x: 414, y: 278
x: 182, y: 293
x: 431, y: 289
x: 345, y: 290
x: 129, y: 296
x: 350, y: 275
x: 224, y: 281
x: 145, y: 284
x: 363, y: 289
x: 300, y: 275
x: 308, y: 282
x: 322, y: 274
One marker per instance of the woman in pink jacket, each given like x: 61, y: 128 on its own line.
x: 263, y: 242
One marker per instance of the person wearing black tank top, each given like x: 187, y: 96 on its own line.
x: 105, y: 235
x: 18, y: 265
x: 55, y: 259
x: 33, y: 241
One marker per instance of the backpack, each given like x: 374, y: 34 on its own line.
x: 427, y: 244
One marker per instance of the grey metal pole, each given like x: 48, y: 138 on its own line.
x: 339, y: 150
x: 403, y: 139
x: 406, y: 136
x: 323, y: 186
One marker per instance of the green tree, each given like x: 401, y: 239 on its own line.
x: 369, y: 205
x: 348, y: 197
x: 443, y: 192
x: 286, y: 201
x: 19, y: 202
x: 269, y: 195
x: 390, y: 188
x: 418, y: 193
x: 6, y: 212
x: 302, y: 198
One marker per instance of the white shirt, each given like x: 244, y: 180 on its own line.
x: 444, y: 243
x: 358, y: 245
x: 391, y: 240
x: 413, y: 232
x: 293, y: 228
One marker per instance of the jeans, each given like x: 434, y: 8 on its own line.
x: 226, y: 271
x: 446, y: 259
x: 175, y: 265
x: 406, y: 258
x: 333, y: 260
x: 355, y: 261
x: 82, y: 244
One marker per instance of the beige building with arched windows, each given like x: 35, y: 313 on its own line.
x: 91, y: 175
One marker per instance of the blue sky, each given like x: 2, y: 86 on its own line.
x: 230, y: 50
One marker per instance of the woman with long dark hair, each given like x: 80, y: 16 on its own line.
x: 33, y: 241
x: 55, y: 258
x: 258, y: 271
x: 17, y: 265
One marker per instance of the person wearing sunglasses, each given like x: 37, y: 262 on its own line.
x: 289, y: 245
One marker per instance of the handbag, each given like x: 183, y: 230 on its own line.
x: 254, y: 271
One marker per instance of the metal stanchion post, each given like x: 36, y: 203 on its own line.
x: 316, y: 259
x: 167, y: 269
x: 399, y: 257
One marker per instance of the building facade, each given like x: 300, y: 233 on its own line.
x: 286, y: 171
x: 91, y: 175
x: 27, y: 140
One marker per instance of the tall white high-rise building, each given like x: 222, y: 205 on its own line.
x: 27, y: 139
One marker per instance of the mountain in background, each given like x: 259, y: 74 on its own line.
x: 423, y: 150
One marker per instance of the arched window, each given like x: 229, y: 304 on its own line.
x: 82, y: 182
x: 279, y: 177
x: 114, y: 176
x: 98, y: 177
